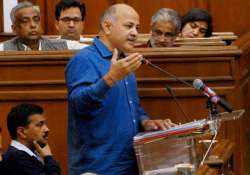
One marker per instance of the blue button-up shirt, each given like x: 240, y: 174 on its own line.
x: 102, y: 120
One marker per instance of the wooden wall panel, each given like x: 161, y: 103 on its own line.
x: 231, y: 15
x: 95, y: 9
x: 50, y: 16
x: 1, y: 16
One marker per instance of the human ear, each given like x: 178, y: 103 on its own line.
x: 57, y: 25
x: 14, y: 28
x: 107, y: 27
x: 21, y: 132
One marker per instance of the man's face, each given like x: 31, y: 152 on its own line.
x: 196, y: 29
x: 70, y: 24
x: 37, y: 130
x: 163, y: 34
x: 123, y: 31
x: 27, y: 24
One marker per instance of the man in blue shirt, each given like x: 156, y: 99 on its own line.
x: 104, y: 108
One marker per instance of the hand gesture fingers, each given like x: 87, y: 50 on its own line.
x: 45, y: 151
x: 157, y: 124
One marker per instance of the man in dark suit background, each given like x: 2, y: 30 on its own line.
x: 29, y: 152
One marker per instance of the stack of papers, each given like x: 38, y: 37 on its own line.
x: 177, y: 130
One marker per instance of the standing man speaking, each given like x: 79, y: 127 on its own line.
x: 104, y: 109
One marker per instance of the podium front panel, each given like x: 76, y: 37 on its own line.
x: 166, y: 156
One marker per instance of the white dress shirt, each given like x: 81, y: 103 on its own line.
x: 24, y: 148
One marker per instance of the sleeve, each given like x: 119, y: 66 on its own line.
x: 2, y: 170
x: 86, y: 88
x: 51, y: 166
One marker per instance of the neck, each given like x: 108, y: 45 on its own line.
x: 105, y: 40
x: 29, y: 145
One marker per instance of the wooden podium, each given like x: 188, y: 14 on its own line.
x: 175, y: 151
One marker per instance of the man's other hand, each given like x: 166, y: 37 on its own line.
x: 151, y: 125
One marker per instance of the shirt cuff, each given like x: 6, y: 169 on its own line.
x: 143, y: 117
x: 101, y: 87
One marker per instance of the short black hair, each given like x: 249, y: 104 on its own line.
x: 62, y: 5
x: 197, y: 14
x: 19, y: 116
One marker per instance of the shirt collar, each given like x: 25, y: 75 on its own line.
x: 22, y: 147
x: 102, y: 48
x: 26, y: 48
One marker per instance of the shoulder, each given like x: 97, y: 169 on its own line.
x: 75, y: 45
x: 86, y: 54
x: 13, y: 153
x: 10, y: 41
x: 55, y: 44
x: 53, y: 40
x: 83, y: 60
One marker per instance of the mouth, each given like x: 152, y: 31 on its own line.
x: 34, y: 33
x: 131, y: 41
x: 191, y: 35
x: 71, y: 31
x: 46, y: 137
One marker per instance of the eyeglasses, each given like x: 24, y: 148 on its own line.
x: 68, y: 19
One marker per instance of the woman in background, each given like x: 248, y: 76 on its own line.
x: 196, y: 23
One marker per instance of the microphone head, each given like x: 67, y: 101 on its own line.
x: 198, y: 84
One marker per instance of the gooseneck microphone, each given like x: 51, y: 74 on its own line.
x: 171, y: 92
x: 197, y: 84
x: 169, y: 89
x: 215, y: 99
x: 147, y: 62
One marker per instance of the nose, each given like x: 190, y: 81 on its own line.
x: 71, y: 23
x: 162, y: 38
x: 134, y: 31
x: 33, y: 24
x: 46, y: 128
x: 196, y: 31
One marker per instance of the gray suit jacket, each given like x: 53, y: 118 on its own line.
x: 46, y: 44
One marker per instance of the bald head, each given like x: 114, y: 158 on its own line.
x: 115, y: 11
x: 119, y: 27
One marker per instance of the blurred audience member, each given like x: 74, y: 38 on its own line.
x: 196, y: 23
x: 165, y: 25
x: 70, y: 17
x: 26, y: 23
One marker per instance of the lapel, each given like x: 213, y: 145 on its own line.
x: 19, y: 44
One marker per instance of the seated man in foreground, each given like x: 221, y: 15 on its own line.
x: 26, y: 23
x: 29, y: 152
